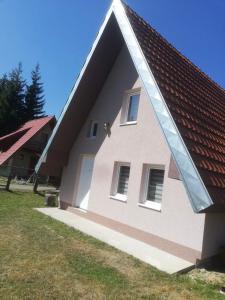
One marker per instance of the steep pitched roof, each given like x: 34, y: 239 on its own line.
x: 196, y: 103
x: 189, y: 106
x: 11, y: 143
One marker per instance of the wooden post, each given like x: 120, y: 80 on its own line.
x: 35, y: 184
x: 8, y: 182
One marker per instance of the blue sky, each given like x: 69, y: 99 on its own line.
x: 59, y: 33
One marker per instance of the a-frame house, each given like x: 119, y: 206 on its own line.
x: 140, y: 143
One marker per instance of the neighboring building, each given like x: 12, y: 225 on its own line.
x: 21, y: 149
x: 141, y: 141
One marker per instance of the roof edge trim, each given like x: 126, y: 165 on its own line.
x: 198, y: 194
x: 77, y: 82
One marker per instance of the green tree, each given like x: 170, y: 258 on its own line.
x: 3, y: 102
x: 34, y: 98
x: 12, y: 101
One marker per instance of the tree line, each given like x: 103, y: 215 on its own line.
x: 20, y: 102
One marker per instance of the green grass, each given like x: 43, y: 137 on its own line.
x: 3, y: 180
x: 41, y: 258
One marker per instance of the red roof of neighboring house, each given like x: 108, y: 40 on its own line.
x: 196, y: 103
x: 17, y: 139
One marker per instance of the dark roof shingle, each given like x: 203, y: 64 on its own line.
x: 196, y: 103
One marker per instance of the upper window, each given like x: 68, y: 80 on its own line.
x: 130, y: 106
x: 153, y: 180
x: 93, y: 129
x: 133, y: 108
x: 120, y: 181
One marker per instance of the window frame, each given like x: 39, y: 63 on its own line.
x: 126, y: 105
x: 146, y: 176
x: 92, y: 123
x: 115, y: 182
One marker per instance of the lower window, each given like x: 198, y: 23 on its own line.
x: 120, y: 181
x: 152, y: 186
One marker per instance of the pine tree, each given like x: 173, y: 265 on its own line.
x: 12, y: 101
x: 3, y: 103
x: 34, y: 98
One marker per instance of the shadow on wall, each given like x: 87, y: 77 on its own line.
x: 105, y: 110
x: 94, y: 77
x: 214, y: 235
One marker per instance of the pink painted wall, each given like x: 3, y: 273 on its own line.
x: 136, y: 144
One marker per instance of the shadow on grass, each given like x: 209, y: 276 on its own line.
x: 41, y: 193
x: 15, y: 192
x: 9, y: 191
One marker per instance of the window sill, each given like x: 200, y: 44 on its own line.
x: 128, y: 123
x: 151, y: 205
x: 120, y: 198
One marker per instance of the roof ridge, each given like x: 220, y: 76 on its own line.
x: 16, y: 132
x: 26, y: 126
x: 201, y: 72
x: 36, y: 119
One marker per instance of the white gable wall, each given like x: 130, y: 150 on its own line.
x: 136, y: 144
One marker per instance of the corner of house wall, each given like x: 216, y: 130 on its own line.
x: 213, y: 234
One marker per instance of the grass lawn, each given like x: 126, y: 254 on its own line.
x: 41, y: 258
x: 3, y: 180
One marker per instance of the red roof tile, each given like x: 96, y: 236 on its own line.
x: 196, y: 103
x: 22, y: 136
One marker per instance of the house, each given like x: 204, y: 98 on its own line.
x: 140, y: 143
x: 21, y: 149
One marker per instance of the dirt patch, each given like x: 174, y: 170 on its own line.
x: 122, y: 262
x: 208, y: 276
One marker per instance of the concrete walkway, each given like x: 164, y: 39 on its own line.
x: 151, y: 255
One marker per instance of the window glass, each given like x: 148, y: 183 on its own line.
x: 124, y: 173
x: 155, y: 185
x: 133, y: 108
x: 93, y: 129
